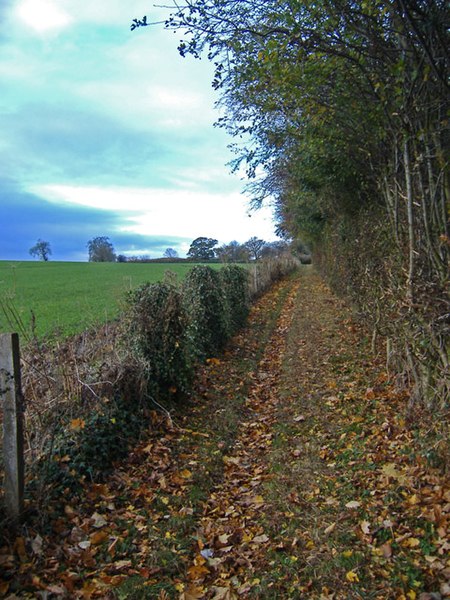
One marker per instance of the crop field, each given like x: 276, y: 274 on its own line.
x: 62, y: 298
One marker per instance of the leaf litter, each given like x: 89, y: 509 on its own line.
x: 291, y: 473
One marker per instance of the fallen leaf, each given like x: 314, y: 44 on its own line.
x: 411, y: 542
x: 330, y: 528
x: 222, y: 593
x: 353, y: 504
x: 351, y: 576
x: 98, y: 537
x: 19, y: 547
x: 365, y: 527
x: 390, y: 470
x: 99, y: 520
x: 36, y: 545
x: 122, y: 564
x: 197, y: 572
x: 4, y: 587
x: 260, y: 539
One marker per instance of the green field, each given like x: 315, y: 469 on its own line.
x: 68, y: 297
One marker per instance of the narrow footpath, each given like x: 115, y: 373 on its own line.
x: 292, y: 472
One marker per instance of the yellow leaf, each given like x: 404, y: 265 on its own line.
x: 186, y: 474
x: 347, y: 553
x: 411, y: 543
x: 213, y: 361
x: 77, y: 424
x: 351, y: 576
x: 390, y: 470
x: 258, y: 500
x: 411, y: 595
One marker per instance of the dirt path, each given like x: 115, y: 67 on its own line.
x: 291, y: 473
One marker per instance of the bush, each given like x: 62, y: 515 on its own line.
x: 209, y: 326
x: 156, y: 331
x: 235, y: 286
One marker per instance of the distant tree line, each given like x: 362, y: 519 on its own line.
x: 202, y: 249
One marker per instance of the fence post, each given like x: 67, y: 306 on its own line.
x: 11, y: 398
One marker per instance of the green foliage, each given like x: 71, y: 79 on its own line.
x: 156, y: 325
x: 209, y: 326
x: 202, y: 248
x: 342, y: 110
x: 101, y: 250
x: 86, y: 447
x: 235, y: 287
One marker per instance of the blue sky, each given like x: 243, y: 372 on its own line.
x: 109, y: 132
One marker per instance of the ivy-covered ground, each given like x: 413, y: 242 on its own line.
x: 292, y: 472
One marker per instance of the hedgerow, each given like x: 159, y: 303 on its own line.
x: 156, y: 332
x: 234, y: 281
x: 209, y: 324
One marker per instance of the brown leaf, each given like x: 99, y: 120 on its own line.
x: 386, y: 549
x: 197, y: 572
x: 98, y: 537
x: 330, y: 528
x: 19, y: 547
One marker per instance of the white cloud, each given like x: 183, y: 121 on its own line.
x: 42, y: 15
x: 179, y: 213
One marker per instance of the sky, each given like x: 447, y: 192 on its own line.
x: 106, y: 131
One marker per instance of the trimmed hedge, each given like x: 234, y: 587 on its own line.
x: 209, y: 324
x: 156, y: 332
x: 235, y: 287
x: 170, y: 328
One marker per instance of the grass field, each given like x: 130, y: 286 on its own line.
x: 68, y: 297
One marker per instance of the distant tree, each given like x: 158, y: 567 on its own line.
x: 41, y: 250
x: 170, y: 253
x: 101, y: 250
x: 122, y: 258
x: 254, y: 245
x: 202, y: 249
x: 274, y: 249
x: 232, y: 253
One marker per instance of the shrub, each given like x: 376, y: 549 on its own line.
x: 235, y: 286
x: 156, y: 331
x: 209, y: 327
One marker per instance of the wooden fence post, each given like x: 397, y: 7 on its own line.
x: 12, y: 401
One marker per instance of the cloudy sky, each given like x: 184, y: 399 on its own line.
x: 105, y: 131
